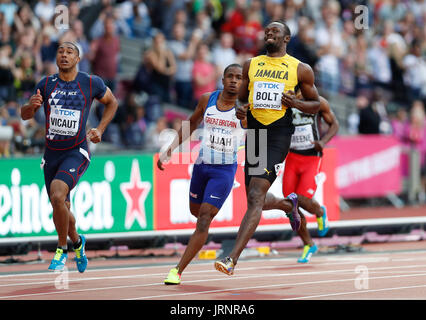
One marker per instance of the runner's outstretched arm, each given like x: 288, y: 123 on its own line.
x: 194, y: 122
x: 328, y: 115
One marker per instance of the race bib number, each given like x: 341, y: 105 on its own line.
x: 302, y: 138
x: 267, y: 95
x: 64, y: 122
x: 221, y: 143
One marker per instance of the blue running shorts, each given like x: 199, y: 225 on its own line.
x: 212, y: 183
x: 67, y: 166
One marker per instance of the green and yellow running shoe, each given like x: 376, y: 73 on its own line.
x: 323, y: 225
x: 307, y: 253
x: 173, y: 277
x: 59, y: 260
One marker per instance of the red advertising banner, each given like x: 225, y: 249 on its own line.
x: 172, y: 195
x: 368, y: 165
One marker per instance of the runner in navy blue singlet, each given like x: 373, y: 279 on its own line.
x: 66, y: 98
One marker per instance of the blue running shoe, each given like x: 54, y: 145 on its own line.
x: 307, y: 253
x: 59, y: 260
x: 294, y: 216
x: 80, y: 255
x: 323, y: 225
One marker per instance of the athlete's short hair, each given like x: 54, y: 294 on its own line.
x: 233, y: 65
x: 287, y: 31
x: 76, y: 46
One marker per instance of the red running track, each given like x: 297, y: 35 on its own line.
x: 380, y: 271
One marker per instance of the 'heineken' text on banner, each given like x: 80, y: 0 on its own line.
x: 114, y: 195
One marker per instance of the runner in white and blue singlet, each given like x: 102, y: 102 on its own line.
x: 222, y: 134
x: 214, y: 171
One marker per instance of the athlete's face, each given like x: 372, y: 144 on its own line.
x: 232, y: 80
x: 67, y: 57
x: 275, y: 37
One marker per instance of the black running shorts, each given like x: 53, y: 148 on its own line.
x: 266, y: 148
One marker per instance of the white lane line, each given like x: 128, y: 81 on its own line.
x: 113, y: 268
x: 213, y: 280
x: 81, y: 278
x: 269, y: 286
x: 358, y: 291
x: 318, y: 262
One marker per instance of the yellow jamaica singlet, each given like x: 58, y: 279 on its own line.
x: 269, y: 78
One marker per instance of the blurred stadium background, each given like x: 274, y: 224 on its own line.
x: 159, y: 56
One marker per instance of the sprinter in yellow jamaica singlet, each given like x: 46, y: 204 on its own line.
x: 265, y: 98
x: 269, y: 78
